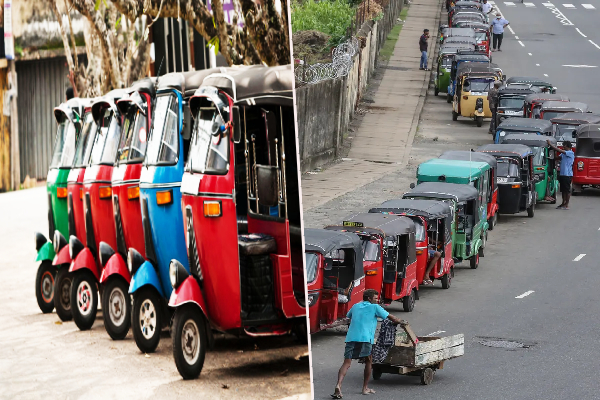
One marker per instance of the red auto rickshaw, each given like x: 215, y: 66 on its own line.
x: 492, y: 205
x: 564, y: 126
x: 533, y: 102
x: 390, y: 255
x: 433, y: 222
x: 586, y: 167
x: 241, y: 211
x: 335, y: 279
x: 98, y: 211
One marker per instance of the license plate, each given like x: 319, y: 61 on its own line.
x: 501, y: 180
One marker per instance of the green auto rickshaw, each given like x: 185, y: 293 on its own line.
x: 544, y: 163
x: 446, y: 55
x: 69, y: 119
x: 468, y: 210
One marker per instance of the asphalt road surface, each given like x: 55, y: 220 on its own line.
x: 537, y: 284
x: 42, y: 358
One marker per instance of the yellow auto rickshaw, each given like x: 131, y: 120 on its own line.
x: 473, y: 81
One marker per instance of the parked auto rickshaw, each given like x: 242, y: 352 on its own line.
x: 472, y: 85
x: 533, y: 102
x: 516, y: 179
x: 552, y: 109
x: 463, y: 5
x: 458, y: 62
x: 492, y: 198
x: 85, y: 266
x: 390, y: 255
x: 434, y: 223
x: 334, y: 264
x: 68, y: 117
x: 462, y: 16
x: 482, y: 35
x: 586, y: 167
x: 470, y: 41
x: 522, y: 125
x: 446, y: 55
x: 531, y: 81
x: 510, y: 101
x: 470, y: 216
x: 456, y: 32
x: 564, y: 126
x: 544, y: 165
x: 241, y: 181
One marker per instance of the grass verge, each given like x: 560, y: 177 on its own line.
x: 388, y: 47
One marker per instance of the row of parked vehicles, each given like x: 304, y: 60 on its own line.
x: 176, y: 202
x: 445, y: 218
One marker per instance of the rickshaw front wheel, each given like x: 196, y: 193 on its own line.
x: 479, y: 121
x: 408, y: 302
x: 62, y: 288
x: 116, y: 307
x: 531, y: 210
x: 44, y: 286
x: 147, y: 319
x: 446, y: 280
x: 454, y: 116
x: 436, y: 91
x: 474, y: 261
x: 84, y: 299
x: 189, y: 341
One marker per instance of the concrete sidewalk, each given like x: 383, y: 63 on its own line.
x: 384, y: 138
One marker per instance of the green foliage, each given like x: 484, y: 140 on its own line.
x: 332, y: 17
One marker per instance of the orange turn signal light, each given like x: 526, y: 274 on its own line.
x: 419, y: 252
x: 105, y: 192
x: 371, y: 272
x: 465, y: 97
x: 163, y: 198
x: 212, y: 208
x: 81, y: 193
x: 61, y: 192
x: 515, y: 186
x: 133, y: 192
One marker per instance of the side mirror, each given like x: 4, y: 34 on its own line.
x: 503, y: 77
x: 328, y: 264
x: 412, y: 185
x: 237, y: 128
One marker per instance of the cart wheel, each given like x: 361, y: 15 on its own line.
x: 427, y: 376
x: 479, y: 121
x: 189, y: 341
x: 44, y: 286
x: 446, y: 280
x: 116, y: 307
x: 377, y: 373
x: 408, y: 302
x: 84, y: 299
x: 454, y: 116
x: 531, y: 210
x: 448, y: 98
x: 474, y: 261
x: 62, y: 288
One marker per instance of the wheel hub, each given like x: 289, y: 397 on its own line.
x: 65, y: 288
x: 148, y: 319
x: 47, y: 286
x: 117, y: 306
x: 190, y: 341
x: 84, y: 298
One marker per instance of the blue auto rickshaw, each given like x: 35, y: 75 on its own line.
x: 458, y: 60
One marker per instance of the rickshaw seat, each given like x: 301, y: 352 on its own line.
x: 267, y: 182
x: 254, y: 244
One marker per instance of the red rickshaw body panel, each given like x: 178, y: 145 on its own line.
x: 75, y: 189
x: 374, y: 281
x: 127, y: 176
x: 492, y: 206
x: 422, y: 259
x: 115, y: 265
x: 63, y: 256
x: 85, y: 260
x: 188, y: 292
x: 590, y: 175
x: 408, y: 284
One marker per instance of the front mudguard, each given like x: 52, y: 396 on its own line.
x: 85, y: 260
x: 188, y: 292
x: 115, y: 265
x: 479, y: 113
x: 46, y: 252
x: 63, y: 257
x: 145, y: 275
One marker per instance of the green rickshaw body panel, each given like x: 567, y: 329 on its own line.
x: 46, y: 252
x: 57, y: 178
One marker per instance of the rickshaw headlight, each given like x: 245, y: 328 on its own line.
x: 312, y: 298
x: 177, y: 273
x: 134, y: 261
x: 580, y: 165
x: 58, y: 241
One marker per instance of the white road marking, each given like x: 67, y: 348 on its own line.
x: 531, y: 55
x: 511, y: 30
x: 568, y: 6
x: 521, y: 43
x: 509, y: 4
x: 527, y: 293
x: 545, y: 74
x: 529, y: 4
x: 492, y: 2
x: 548, y: 4
x: 516, y: 37
x: 580, y: 66
x: 598, y: 47
x: 563, y: 20
x: 435, y: 333
x: 579, y: 257
x: 588, y: 6
x: 581, y: 33
x: 537, y: 65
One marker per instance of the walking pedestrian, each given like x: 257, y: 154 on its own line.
x: 360, y: 337
x: 497, y: 27
x: 493, y: 100
x: 565, y: 176
x: 487, y: 9
x: 423, y: 47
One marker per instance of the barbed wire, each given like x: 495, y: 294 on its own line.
x: 340, y: 66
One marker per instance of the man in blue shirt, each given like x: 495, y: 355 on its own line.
x: 497, y: 27
x: 361, y: 335
x: 567, y: 158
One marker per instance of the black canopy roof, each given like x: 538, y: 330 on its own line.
x: 460, y: 39
x: 507, y: 150
x: 442, y: 190
x: 377, y: 223
x: 467, y: 4
x: 465, y: 155
x: 537, y: 97
x: 146, y: 85
x: 463, y: 32
x: 529, y: 140
x: 517, y: 123
x: 324, y: 240
x: 564, y: 105
x: 576, y: 118
x: 455, y: 48
x: 472, y: 57
x: 424, y: 208
x: 527, y: 79
x: 591, y: 131
x: 108, y: 100
x: 477, y: 68
x: 473, y: 24
x: 521, y: 90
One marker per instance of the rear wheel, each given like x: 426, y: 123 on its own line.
x: 454, y: 116
x: 446, y: 280
x: 84, y: 299
x: 377, y: 373
x: 479, y: 121
x: 62, y: 288
x: 436, y: 91
x: 44, y: 286
x: 427, y: 376
x: 189, y: 341
x: 408, y: 302
x: 116, y: 308
x: 448, y: 98
x: 147, y: 319
x: 474, y: 261
x: 531, y: 210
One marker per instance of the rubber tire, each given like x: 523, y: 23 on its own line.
x: 377, y: 373
x: 150, y: 293
x: 454, y: 116
x: 436, y: 91
x: 427, y: 376
x: 531, y: 211
x: 493, y: 222
x: 474, y: 261
x: 448, y: 98
x: 482, y: 247
x: 46, y: 269
x: 182, y: 315
x: 301, y: 333
x: 479, y: 121
x: 63, y: 310
x: 114, y: 331
x: 446, y: 280
x: 84, y: 322
x: 408, y: 302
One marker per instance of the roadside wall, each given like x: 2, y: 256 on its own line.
x: 325, y: 109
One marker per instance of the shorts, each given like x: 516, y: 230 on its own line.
x: 565, y: 183
x: 357, y: 350
x: 431, y: 253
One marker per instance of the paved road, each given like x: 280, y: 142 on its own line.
x: 40, y: 358
x: 522, y: 255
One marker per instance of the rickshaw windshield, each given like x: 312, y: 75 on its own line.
x: 420, y: 230
x: 548, y: 115
x: 85, y: 142
x: 107, y: 140
x: 565, y: 132
x: 64, y: 147
x: 538, y: 156
x: 163, y: 145
x: 510, y: 102
x: 370, y: 248
x: 447, y: 61
x: 480, y: 36
x: 477, y: 85
x: 508, y: 169
x: 209, y: 151
x: 134, y: 138
x: 311, y: 260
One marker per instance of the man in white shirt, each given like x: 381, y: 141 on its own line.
x: 487, y: 9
